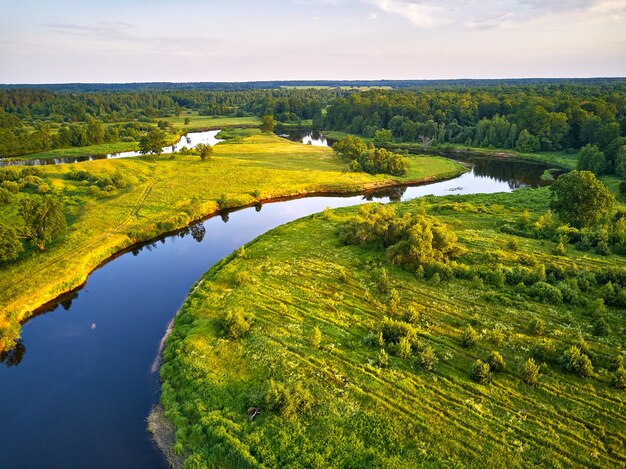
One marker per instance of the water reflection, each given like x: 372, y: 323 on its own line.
x: 191, y: 140
x: 394, y: 194
x: 14, y: 356
x: 308, y: 137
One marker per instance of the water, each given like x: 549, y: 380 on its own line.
x: 191, y: 140
x: 77, y: 390
x: 308, y: 137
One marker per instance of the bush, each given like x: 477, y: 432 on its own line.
x: 288, y: 401
x: 383, y: 359
x: 404, y: 348
x: 543, y: 350
x: 601, y: 327
x: 546, y: 293
x: 428, y: 359
x: 530, y: 372
x: 577, y: 362
x: 470, y: 337
x: 394, y: 330
x: 496, y: 362
x: 480, y: 372
x: 235, y: 324
x: 619, y: 378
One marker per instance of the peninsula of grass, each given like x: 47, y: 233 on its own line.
x: 162, y: 194
x: 301, y: 351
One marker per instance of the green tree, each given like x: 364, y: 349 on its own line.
x: 480, y: 372
x: 526, y: 142
x: 152, y: 142
x: 496, y: 362
x: 95, y: 131
x: 10, y: 245
x: 316, y: 337
x: 428, y: 359
x: 575, y: 361
x: 268, y: 124
x: 590, y: 158
x: 383, y: 136
x: 470, y: 337
x: 580, y: 199
x: 43, y: 218
x: 204, y: 150
x: 350, y: 147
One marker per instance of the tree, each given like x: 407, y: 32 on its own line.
x: 152, y: 142
x: 496, y: 362
x: 526, y: 142
x: 10, y: 246
x: 95, y: 131
x: 43, y: 219
x: 350, y: 147
x: 580, y: 199
x: 268, y: 124
x: 204, y: 150
x: 383, y: 136
x: 590, y: 158
x: 316, y: 337
x: 575, y: 361
x: 470, y: 337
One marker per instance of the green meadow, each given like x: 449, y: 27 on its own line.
x: 286, y: 353
x: 164, y: 193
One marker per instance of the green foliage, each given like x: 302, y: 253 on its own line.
x: 526, y: 142
x: 546, y: 293
x: 268, y: 124
x: 44, y: 220
x: 580, y: 199
x: 235, y: 324
x: 411, y: 240
x: 537, y: 326
x: 470, y: 337
x: 590, y: 158
x: 404, y: 347
x: 577, y: 362
x: 10, y: 245
x: 383, y: 136
x: 369, y: 159
x: 619, y: 378
x: 205, y: 151
x: 428, y: 359
x: 288, y: 401
x: 152, y: 142
x: 531, y: 372
x: 496, y: 362
x: 480, y: 372
x: 383, y: 358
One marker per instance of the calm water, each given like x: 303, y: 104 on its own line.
x: 191, y: 140
x: 77, y: 390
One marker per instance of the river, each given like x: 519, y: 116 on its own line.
x: 78, y: 388
x: 190, y: 140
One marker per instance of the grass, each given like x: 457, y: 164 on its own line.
x: 197, y: 123
x: 350, y: 412
x: 166, y: 194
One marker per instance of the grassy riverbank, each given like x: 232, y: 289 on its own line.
x: 328, y: 399
x: 165, y: 194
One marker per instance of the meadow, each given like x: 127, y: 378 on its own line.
x: 161, y: 194
x: 286, y: 353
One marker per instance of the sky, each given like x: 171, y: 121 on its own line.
x: 61, y: 41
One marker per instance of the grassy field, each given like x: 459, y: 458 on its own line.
x: 197, y: 123
x: 327, y: 401
x: 166, y: 194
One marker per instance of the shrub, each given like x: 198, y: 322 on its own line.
x: 288, y: 401
x: 546, y: 293
x: 577, y: 362
x: 543, y: 350
x: 394, y: 303
x: 412, y: 315
x: 619, y: 378
x: 383, y: 359
x: 393, y: 330
x: 404, y: 348
x: 480, y: 372
x: 428, y: 359
x: 530, y: 372
x: 242, y: 278
x: 618, y: 363
x: 235, y: 324
x: 470, y: 337
x: 496, y: 362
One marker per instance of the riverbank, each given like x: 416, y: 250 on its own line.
x: 333, y: 400
x: 168, y: 194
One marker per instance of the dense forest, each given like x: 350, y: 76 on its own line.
x: 527, y: 115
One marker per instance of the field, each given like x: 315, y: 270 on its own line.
x: 165, y: 194
x: 330, y: 398
x: 197, y: 123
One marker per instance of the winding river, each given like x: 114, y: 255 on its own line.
x: 77, y: 389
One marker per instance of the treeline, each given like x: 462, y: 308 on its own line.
x: 252, y: 85
x: 524, y: 118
